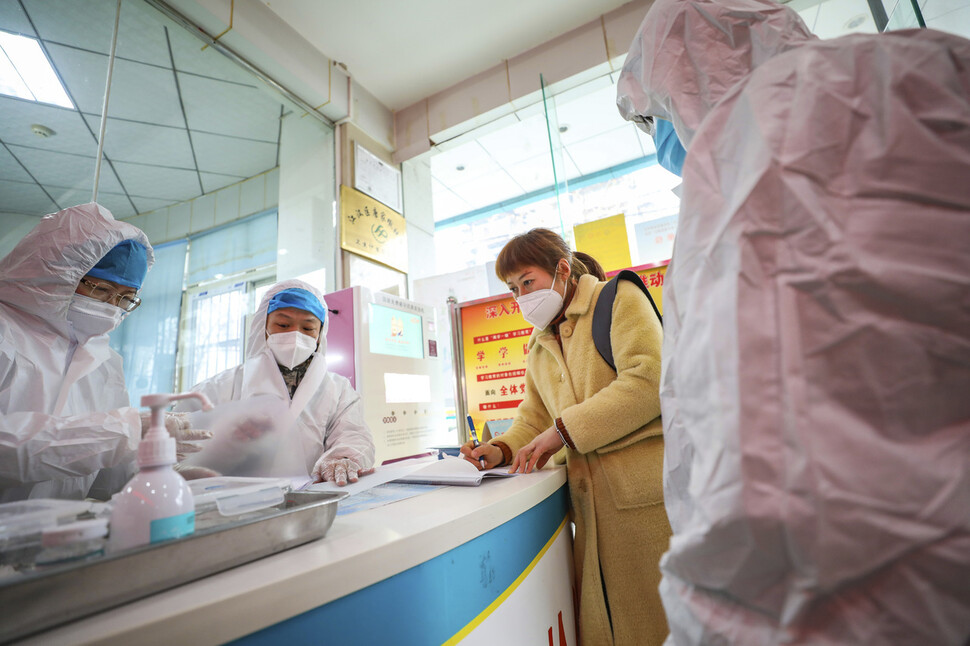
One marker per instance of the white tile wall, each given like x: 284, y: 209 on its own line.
x: 252, y: 195
x: 227, y: 204
x: 203, y: 212
x: 179, y: 220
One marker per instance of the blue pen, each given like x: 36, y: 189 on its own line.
x: 471, y: 427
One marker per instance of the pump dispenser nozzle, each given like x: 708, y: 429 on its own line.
x: 158, y: 447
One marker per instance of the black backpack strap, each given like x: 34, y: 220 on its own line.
x: 603, y: 313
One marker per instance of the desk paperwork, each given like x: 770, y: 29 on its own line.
x: 453, y: 471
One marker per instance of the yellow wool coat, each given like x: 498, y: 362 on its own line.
x: 615, y: 473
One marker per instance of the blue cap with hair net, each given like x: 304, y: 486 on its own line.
x: 126, y: 264
x: 300, y: 299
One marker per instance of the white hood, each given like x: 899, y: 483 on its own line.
x: 39, y: 275
x: 257, y: 329
x: 688, y: 53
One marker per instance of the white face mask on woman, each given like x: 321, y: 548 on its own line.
x: 541, y: 306
x: 91, y: 318
x: 291, y: 348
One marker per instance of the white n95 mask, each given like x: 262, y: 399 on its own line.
x: 541, y: 306
x: 291, y: 348
x: 91, y: 318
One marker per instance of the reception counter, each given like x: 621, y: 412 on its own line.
x: 456, y: 564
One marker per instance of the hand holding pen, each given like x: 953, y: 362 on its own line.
x: 489, y: 454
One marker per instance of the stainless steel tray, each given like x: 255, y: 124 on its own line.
x: 39, y: 600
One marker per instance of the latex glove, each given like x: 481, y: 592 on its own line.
x: 194, y: 473
x: 338, y: 470
x: 536, y: 453
x: 178, y: 426
x: 492, y: 454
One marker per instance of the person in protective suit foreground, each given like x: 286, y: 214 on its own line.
x: 321, y: 432
x: 65, y: 411
x: 816, y: 358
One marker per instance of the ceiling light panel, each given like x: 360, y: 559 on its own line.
x: 145, y: 143
x: 21, y: 197
x: 26, y: 72
x: 471, y: 157
x: 589, y: 115
x: 173, y: 184
x: 72, y: 136
x: 490, y: 189
x: 232, y: 156
x: 229, y: 108
x: 532, y: 174
x: 59, y: 170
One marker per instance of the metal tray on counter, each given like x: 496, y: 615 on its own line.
x: 41, y: 599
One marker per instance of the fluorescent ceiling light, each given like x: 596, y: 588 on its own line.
x: 26, y: 73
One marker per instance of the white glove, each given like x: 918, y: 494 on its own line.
x: 178, y: 426
x: 339, y: 470
x: 253, y: 427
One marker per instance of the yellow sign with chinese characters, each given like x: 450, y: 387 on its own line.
x: 371, y: 229
x: 606, y: 240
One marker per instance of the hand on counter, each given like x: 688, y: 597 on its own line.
x: 338, y: 470
x: 492, y: 454
x: 536, y: 453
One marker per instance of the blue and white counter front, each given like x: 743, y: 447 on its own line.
x: 458, y: 564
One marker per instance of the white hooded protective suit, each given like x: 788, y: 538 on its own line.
x: 816, y: 361
x: 66, y: 413
x: 328, y: 414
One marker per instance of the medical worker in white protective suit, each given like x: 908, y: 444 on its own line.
x: 66, y: 417
x: 323, y: 428
x: 816, y: 360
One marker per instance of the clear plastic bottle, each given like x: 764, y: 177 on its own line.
x: 156, y: 505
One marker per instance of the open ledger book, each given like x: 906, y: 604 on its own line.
x: 453, y: 471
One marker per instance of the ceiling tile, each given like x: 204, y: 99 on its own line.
x: 231, y: 156
x: 446, y: 203
x: 88, y: 24
x: 491, y: 189
x: 191, y: 57
x: 605, y: 150
x: 146, y: 204
x: 14, y: 20
x: 138, y: 92
x: 521, y: 141
x: 532, y: 174
x: 158, y: 182
x: 70, y: 133
x: 144, y: 143
x: 21, y: 197
x: 647, y: 144
x: 589, y: 115
x: 474, y: 160
x: 215, y: 181
x: 65, y: 171
x: 230, y: 108
x: 10, y: 169
x: 118, y: 204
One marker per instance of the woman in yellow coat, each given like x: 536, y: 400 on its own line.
x: 610, y: 423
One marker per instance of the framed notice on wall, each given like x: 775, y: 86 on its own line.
x: 371, y: 229
x: 377, y: 178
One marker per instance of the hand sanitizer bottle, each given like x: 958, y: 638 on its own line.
x: 156, y: 505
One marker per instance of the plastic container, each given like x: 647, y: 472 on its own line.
x: 216, y: 498
x: 73, y: 541
x: 156, y: 505
x: 22, y: 524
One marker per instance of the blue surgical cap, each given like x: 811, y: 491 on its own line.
x: 126, y: 264
x: 300, y: 299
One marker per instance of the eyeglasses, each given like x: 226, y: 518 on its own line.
x: 106, y: 294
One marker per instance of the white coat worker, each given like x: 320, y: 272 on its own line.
x: 816, y: 359
x: 65, y: 411
x: 286, y: 360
